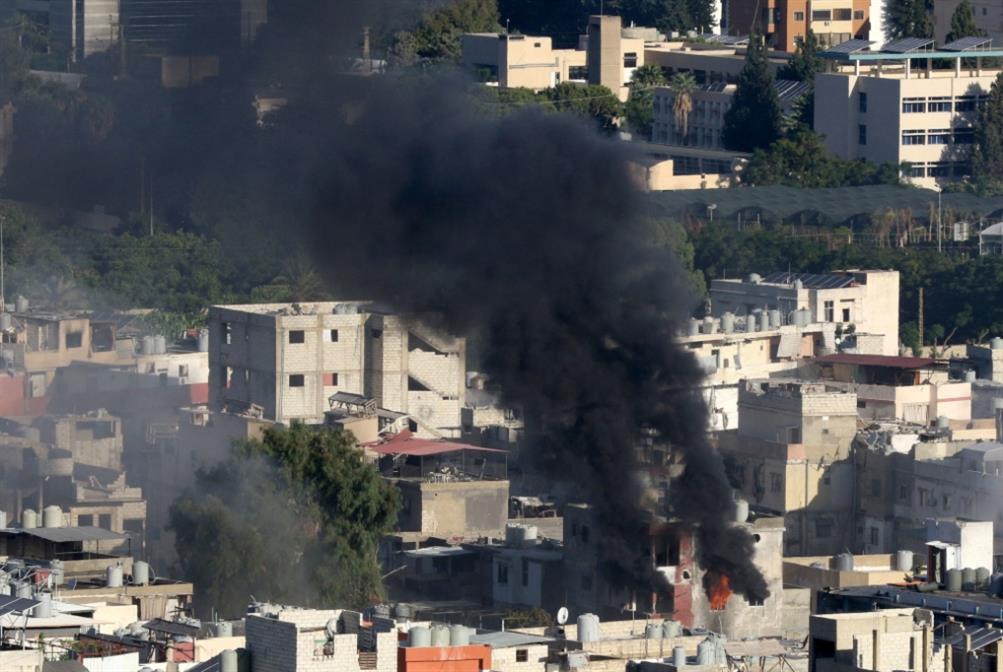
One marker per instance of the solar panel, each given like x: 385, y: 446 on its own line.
x: 731, y: 40
x: 907, y: 45
x: 10, y: 604
x: 850, y: 47
x: 967, y: 43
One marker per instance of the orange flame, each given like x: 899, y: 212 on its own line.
x: 720, y: 591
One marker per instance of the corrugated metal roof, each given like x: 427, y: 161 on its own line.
x: 507, y: 639
x: 172, y: 628
x: 885, y: 361
x: 62, y: 535
x: 423, y: 447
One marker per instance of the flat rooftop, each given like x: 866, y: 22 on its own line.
x: 307, y: 308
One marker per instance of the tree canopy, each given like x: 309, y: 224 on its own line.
x: 804, y: 62
x: 909, y: 18
x: 963, y: 23
x: 296, y: 517
x: 638, y: 110
x: 987, y: 152
x: 753, y: 120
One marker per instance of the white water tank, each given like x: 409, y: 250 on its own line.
x: 653, y: 631
x: 44, y: 607
x: 223, y: 629
x: 741, y: 510
x: 440, y: 635
x: 141, y: 573
x: 114, y: 576
x: 679, y: 657
x: 419, y: 636
x: 24, y: 590
x: 459, y: 635
x: 203, y: 342
x: 588, y: 628
x: 228, y: 661
x: 705, y: 653
x: 996, y: 343
x: 903, y: 561
x: 29, y: 519
x: 728, y: 323
x: 52, y: 516
x: 775, y: 319
x: 694, y: 327
x: 21, y: 305
x: 671, y: 629
x: 159, y: 345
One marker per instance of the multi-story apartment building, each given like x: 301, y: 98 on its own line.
x: 784, y: 22
x: 864, y: 302
x: 290, y: 359
x: 883, y: 110
x: 791, y: 456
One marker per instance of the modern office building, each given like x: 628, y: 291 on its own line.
x: 879, y: 106
x: 784, y: 22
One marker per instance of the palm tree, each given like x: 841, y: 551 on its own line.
x: 300, y: 280
x: 683, y: 84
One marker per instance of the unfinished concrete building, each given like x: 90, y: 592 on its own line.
x: 790, y: 457
x: 892, y: 640
x: 289, y: 359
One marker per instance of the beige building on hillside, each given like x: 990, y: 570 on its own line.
x: 521, y: 60
x: 290, y: 359
x: 880, y: 108
x: 862, y: 304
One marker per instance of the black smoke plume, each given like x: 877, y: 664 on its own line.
x: 527, y: 231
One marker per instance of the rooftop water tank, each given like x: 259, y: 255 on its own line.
x: 140, y: 573
x: 203, y: 340
x: 21, y: 305
x: 52, y: 516
x: 774, y: 319
x: 728, y: 323
x: 653, y: 631
x: 459, y: 635
x: 996, y: 343
x: 694, y: 328
x: 5, y: 321
x: 24, y: 590
x: 971, y: 376
x: 228, y: 661
x: 159, y: 345
x: 968, y: 579
x: 419, y: 636
x: 44, y: 607
x: 520, y: 535
x: 954, y: 580
x: 57, y: 572
x: 706, y: 652
x: 764, y: 320
x: 679, y: 657
x: 588, y: 628
x: 708, y: 325
x: 844, y: 562
x: 996, y: 585
x: 114, y: 576
x: 982, y: 578
x: 753, y: 319
x: 402, y: 611
x: 943, y: 422
x: 149, y: 345
x: 224, y: 629
x: 998, y: 404
x: 381, y: 611
x: 5, y: 587
x: 755, y: 278
x: 29, y: 519
x: 440, y: 635
x: 3, y: 519
x: 671, y: 629
x: 903, y: 561
x: 741, y: 510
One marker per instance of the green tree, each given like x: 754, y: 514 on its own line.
x: 297, y: 516
x: 683, y: 85
x: 753, y: 120
x: 592, y: 101
x: 804, y: 62
x: 438, y: 35
x: 963, y: 23
x: 987, y: 152
x: 638, y: 110
x: 909, y: 18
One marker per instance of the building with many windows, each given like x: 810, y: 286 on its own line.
x: 784, y: 22
x: 878, y: 106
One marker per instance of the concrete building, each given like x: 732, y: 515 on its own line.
x: 510, y: 60
x: 791, y: 457
x: 709, y: 62
x: 612, y: 55
x: 83, y: 28
x: 911, y: 389
x: 740, y: 353
x: 165, y: 26
x: 987, y: 362
x: 284, y: 639
x: 785, y: 22
x: 705, y: 124
x: 863, y: 304
x: 875, y: 106
x: 890, y: 640
x: 290, y: 359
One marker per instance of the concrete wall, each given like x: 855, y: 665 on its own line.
x: 461, y: 509
x: 504, y: 660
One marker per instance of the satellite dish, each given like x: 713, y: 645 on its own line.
x: 562, y: 615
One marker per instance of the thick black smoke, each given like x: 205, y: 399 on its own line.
x: 526, y: 231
